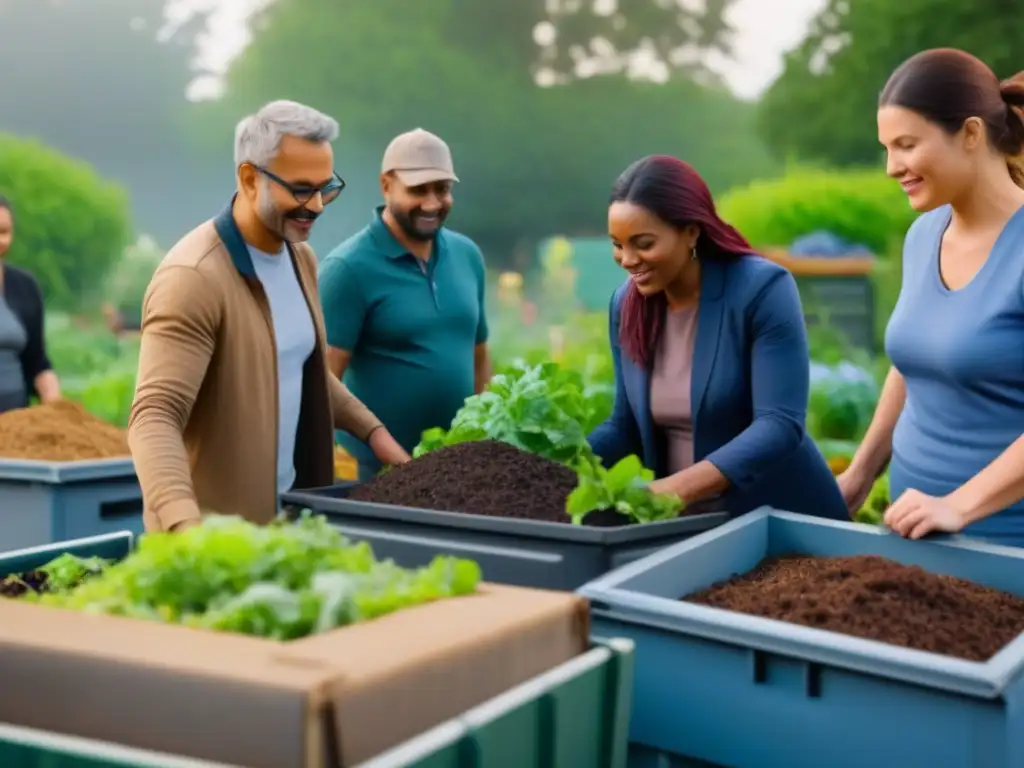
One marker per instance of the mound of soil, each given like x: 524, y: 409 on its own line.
x: 878, y: 599
x: 18, y: 585
x: 59, y: 431
x: 482, y: 478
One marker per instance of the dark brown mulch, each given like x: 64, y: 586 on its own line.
x: 482, y: 478
x: 878, y: 599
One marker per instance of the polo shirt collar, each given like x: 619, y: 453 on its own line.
x: 388, y: 243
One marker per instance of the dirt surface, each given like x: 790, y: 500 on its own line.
x: 18, y: 585
x: 877, y: 599
x: 60, y: 431
x: 483, y: 478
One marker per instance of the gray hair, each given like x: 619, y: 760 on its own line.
x: 258, y: 137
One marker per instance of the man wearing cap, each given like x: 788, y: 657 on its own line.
x: 403, y: 302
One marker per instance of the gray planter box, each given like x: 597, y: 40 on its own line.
x: 514, y: 551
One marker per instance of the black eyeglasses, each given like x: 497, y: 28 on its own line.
x: 303, y: 193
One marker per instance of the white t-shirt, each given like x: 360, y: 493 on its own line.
x: 295, y: 338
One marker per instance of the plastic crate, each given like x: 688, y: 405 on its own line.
x: 576, y: 716
x: 111, y: 546
x: 42, y: 502
x: 513, y: 551
x: 749, y: 692
x: 29, y: 748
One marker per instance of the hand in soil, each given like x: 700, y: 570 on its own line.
x: 916, y: 514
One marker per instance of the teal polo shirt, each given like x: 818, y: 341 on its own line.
x: 411, y: 332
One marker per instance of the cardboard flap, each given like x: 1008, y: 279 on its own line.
x: 133, y: 641
x: 342, y: 696
x: 434, y: 662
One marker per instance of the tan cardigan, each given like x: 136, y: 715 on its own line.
x: 203, y: 426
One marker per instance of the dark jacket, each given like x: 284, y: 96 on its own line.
x: 749, y: 391
x: 22, y: 294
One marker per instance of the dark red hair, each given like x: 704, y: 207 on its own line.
x: 674, y: 192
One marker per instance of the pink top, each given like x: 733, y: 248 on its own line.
x: 671, y: 409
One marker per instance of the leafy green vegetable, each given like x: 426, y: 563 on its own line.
x: 588, y: 375
x: 282, y: 581
x: 622, y: 488
x: 68, y: 570
x: 876, y: 503
x: 538, y: 409
x: 543, y: 409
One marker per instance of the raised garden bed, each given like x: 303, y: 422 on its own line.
x: 500, y: 506
x: 784, y: 640
x: 309, y: 698
x: 489, y: 478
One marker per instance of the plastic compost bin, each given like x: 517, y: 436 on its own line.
x: 575, y: 715
x: 29, y: 748
x: 525, y: 553
x: 44, y: 501
x: 749, y: 692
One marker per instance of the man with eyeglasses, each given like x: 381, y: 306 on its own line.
x: 234, y: 402
x: 403, y: 301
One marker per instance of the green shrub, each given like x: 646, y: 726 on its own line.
x: 70, y: 225
x: 862, y: 206
x: 79, y: 352
x: 129, y: 277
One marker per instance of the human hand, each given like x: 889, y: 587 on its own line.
x: 916, y: 514
x: 663, y: 487
x: 386, y: 448
x: 184, y: 525
x: 855, y: 487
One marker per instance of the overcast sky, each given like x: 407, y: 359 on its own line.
x: 765, y: 29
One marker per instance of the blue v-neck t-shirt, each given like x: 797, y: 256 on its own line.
x: 961, y: 354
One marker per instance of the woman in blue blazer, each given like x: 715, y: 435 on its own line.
x: 710, y: 352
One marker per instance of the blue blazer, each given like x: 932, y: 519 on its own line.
x: 749, y: 390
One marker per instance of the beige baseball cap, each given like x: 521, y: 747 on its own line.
x: 419, y: 157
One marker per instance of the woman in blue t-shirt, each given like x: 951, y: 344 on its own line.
x: 951, y: 414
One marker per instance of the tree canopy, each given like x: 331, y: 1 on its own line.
x: 106, y: 88
x: 566, y: 39
x: 823, y: 105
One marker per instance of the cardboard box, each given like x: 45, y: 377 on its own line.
x: 334, y: 699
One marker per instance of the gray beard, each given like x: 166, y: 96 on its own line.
x: 272, y: 218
